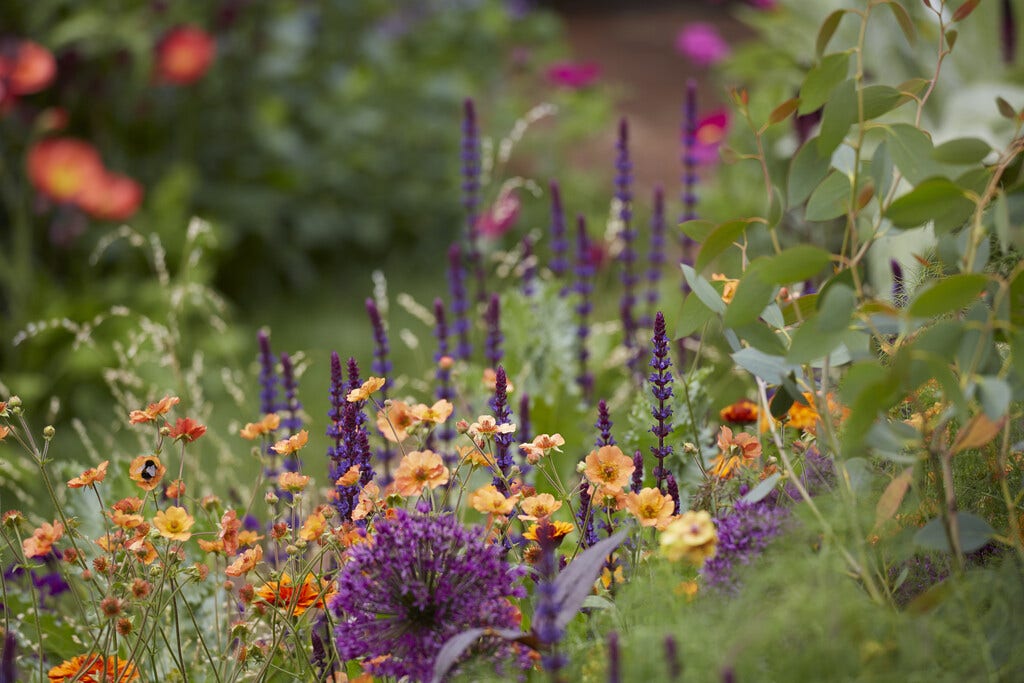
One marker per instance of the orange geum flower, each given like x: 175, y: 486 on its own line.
x: 490, y: 501
x: 186, y: 429
x: 125, y: 520
x: 174, y: 523
x: 313, y: 527
x: 293, y: 481
x: 111, y: 196
x: 419, y: 469
x: 609, y: 467
x: 557, y: 530
x: 153, y: 410
x: 474, y: 455
x: 229, y: 531
x: 140, y: 546
x: 247, y: 537
x: 538, y: 506
x: 395, y: 420
x: 254, y: 430
x: 739, y: 450
x: 176, y: 489
x: 292, y: 444
x: 541, y: 445
x: 369, y: 498
x: 4, y: 431
x: 42, y: 539
x: 743, y: 411
x: 350, y: 478
x: 61, y: 168
x: 437, y: 413
x: 651, y: 507
x: 184, y: 54
x: 486, y: 425
x: 128, y: 505
x: 93, y: 668
x: 211, y: 546
x: 283, y: 595
x: 26, y: 67
x: 90, y: 477
x: 368, y: 387
x: 245, y: 562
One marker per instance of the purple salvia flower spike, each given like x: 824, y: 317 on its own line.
x: 471, y: 191
x: 502, y: 415
x: 492, y: 345
x: 292, y: 408
x: 656, y: 255
x: 604, y: 425
x: 673, y: 490
x: 661, y: 388
x: 675, y: 669
x: 1008, y: 32
x: 443, y: 375
x: 529, y: 266
x: 584, y: 287
x: 637, y: 480
x: 743, y: 534
x: 585, y: 517
x: 268, y: 375
x: 460, y: 304
x: 559, y: 241
x: 614, y: 661
x: 627, y: 254
x: 381, y: 348
x: 545, y: 614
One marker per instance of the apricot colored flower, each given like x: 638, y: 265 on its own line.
x: 174, y: 523
x: 62, y: 168
x: 313, y: 527
x: 651, y: 507
x: 729, y: 290
x: 371, y: 385
x: 474, y: 455
x: 437, y: 413
x: 283, y: 595
x: 350, y: 477
x: 216, y: 546
x: 609, y: 468
x: 111, y: 196
x: 743, y: 411
x: 254, y: 430
x: 143, y: 550
x: 538, y: 506
x: 27, y: 68
x: 735, y: 451
x: 230, y: 528
x: 42, y: 539
x: 557, y: 530
x: 293, y: 481
x: 153, y: 410
x: 691, y: 536
x: 126, y: 520
x: 93, y: 668
x: 245, y: 562
x: 369, y: 498
x: 4, y: 431
x: 176, y: 489
x: 541, y: 445
x: 419, y: 469
x: 292, y: 444
x: 186, y: 429
x: 90, y: 477
x: 247, y: 537
x: 184, y: 55
x: 128, y: 505
x: 146, y: 471
x: 395, y: 420
x: 490, y: 381
x: 490, y: 501
x: 486, y: 425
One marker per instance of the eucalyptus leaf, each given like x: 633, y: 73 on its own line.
x: 831, y: 199
x: 974, y: 533
x: 703, y: 290
x: 759, y: 492
x: 839, y: 114
x: 806, y: 172
x: 946, y: 295
x: 822, y: 80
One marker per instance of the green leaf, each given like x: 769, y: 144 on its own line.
x: 881, y: 99
x: 1006, y: 109
x: 693, y: 316
x: 827, y: 30
x: 1016, y: 302
x: 962, y: 151
x: 995, y: 395
x: 806, y: 172
x: 911, y: 151
x: 795, y: 264
x: 946, y: 295
x: 769, y: 368
x: 835, y: 308
x: 759, y: 492
x: 839, y: 114
x: 905, y: 22
x: 753, y: 294
x: 810, y: 343
x: 951, y: 36
x: 830, y: 199
x: 822, y: 80
x: 974, y: 533
x: 880, y: 169
x: 720, y: 239
x: 761, y: 337
x: 935, y: 199
x: 703, y: 290
x: 806, y: 305
x: 698, y: 230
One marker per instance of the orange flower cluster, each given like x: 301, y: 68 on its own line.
x: 735, y: 451
x: 94, y: 668
x: 312, y: 593
x: 184, y: 55
x: 153, y: 410
x: 42, y: 539
x: 70, y: 171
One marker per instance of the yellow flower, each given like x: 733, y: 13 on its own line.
x: 362, y: 393
x: 291, y: 444
x: 691, y: 536
x: 437, y: 413
x: 490, y: 501
x: 293, y: 481
x: 558, y: 530
x: 651, y: 507
x: 314, y: 527
x: 419, y: 469
x: 174, y: 523
x: 540, y: 505
x: 729, y: 289
x: 609, y: 468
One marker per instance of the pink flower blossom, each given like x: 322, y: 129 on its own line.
x: 711, y: 132
x: 573, y: 75
x: 702, y: 44
x: 500, y: 217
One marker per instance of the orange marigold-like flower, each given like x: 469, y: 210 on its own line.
x: 62, y: 168
x: 153, y: 410
x: 419, y: 469
x: 739, y: 450
x: 245, y: 562
x: 125, y: 520
x: 254, y: 430
x: 313, y: 527
x: 651, y: 507
x: 210, y: 546
x: 27, y: 68
x: 557, y: 530
x: 395, y: 420
x: 350, y: 477
x: 184, y: 54
x: 538, y: 506
x: 293, y: 481
x: 490, y: 501
x: 486, y: 425
x: 146, y: 471
x: 437, y: 413
x: 42, y: 539
x: 369, y: 498
x: 174, y: 523
x: 283, y: 595
x: 90, y: 477
x: 4, y: 431
x: 94, y: 668
x: 743, y: 411
x: 609, y: 467
x: 292, y: 444
x: 691, y: 536
x: 176, y: 489
x: 368, y: 387
x: 111, y: 196
x: 541, y: 445
x: 247, y: 537
x: 230, y: 527
x: 143, y: 550
x: 186, y: 429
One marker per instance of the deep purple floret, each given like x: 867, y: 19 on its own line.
x: 443, y: 373
x: 460, y: 304
x: 1008, y: 32
x: 655, y: 256
x: 381, y: 348
x: 529, y: 274
x: 675, y: 670
x: 471, y: 191
x: 584, y: 287
x: 604, y: 425
x: 585, y: 517
x: 614, y: 663
x: 817, y: 477
x: 743, y: 534
x: 672, y: 488
x: 898, y: 292
x: 268, y: 375
x: 502, y: 415
x: 352, y: 443
x: 559, y: 241
x: 627, y: 254
x: 545, y: 612
x: 492, y: 344
x: 689, y: 143
x: 637, y: 480
x: 661, y: 388
x: 423, y: 580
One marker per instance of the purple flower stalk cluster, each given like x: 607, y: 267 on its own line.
x: 637, y: 480
x: 1008, y: 31
x: 545, y: 613
x: 661, y: 388
x: 529, y: 268
x: 381, y: 348
x: 585, y: 517
x: 689, y: 159
x: 460, y: 304
x: 627, y: 256
x: 351, y: 441
x: 268, y: 375
x: 817, y: 477
x: 423, y: 580
x: 675, y: 669
x: 492, y: 345
x: 604, y: 425
x: 655, y: 256
x: 614, y: 661
x: 502, y: 415
x: 471, y: 190
x: 743, y: 534
x: 584, y: 287
x: 443, y: 373
x: 559, y: 241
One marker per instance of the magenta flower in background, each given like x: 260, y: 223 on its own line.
x: 711, y: 133
x: 573, y: 75
x: 500, y: 217
x: 762, y: 4
x: 702, y: 44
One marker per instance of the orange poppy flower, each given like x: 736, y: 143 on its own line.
x: 93, y: 668
x: 184, y: 55
x: 395, y: 420
x: 350, y: 477
x: 29, y: 68
x: 556, y: 530
x: 246, y: 562
x: 229, y: 530
x: 62, y: 168
x: 90, y: 477
x: 742, y: 411
x: 253, y: 430
x: 111, y: 196
x: 186, y: 429
x: 283, y: 595
x: 42, y: 539
x: 437, y: 413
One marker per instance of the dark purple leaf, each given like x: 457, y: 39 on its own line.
x: 575, y: 582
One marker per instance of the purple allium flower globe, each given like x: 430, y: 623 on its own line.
x: 422, y: 580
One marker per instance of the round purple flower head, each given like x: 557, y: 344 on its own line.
x: 422, y: 580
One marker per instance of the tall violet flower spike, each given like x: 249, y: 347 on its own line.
x: 381, y: 348
x: 460, y: 304
x: 529, y: 266
x: 656, y: 256
x: 661, y: 389
x: 492, y: 345
x: 292, y: 420
x: 268, y: 375
x: 614, y: 662
x: 471, y: 191
x: 443, y: 373
x: 1008, y: 31
x: 604, y: 425
x: 637, y: 480
x: 352, y: 443
x: 689, y: 159
x: 584, y: 287
x: 627, y: 255
x: 545, y: 613
x: 423, y: 580
x: 502, y: 415
x: 559, y: 241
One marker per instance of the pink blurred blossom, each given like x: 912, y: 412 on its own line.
x: 500, y: 217
x: 702, y: 44
x: 711, y: 133
x: 573, y: 75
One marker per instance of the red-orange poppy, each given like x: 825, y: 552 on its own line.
x: 63, y: 168
x: 184, y: 55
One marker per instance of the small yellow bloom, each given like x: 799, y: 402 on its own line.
x: 691, y: 536
x: 247, y: 537
x: 368, y: 387
x: 558, y: 531
x: 292, y: 444
x: 293, y: 481
x: 437, y: 413
x: 314, y: 527
x: 174, y: 523
x: 490, y: 501
x: 687, y: 588
x: 538, y: 506
x: 651, y: 507
x: 729, y: 290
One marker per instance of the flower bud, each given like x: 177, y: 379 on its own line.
x: 49, y: 431
x: 271, y: 498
